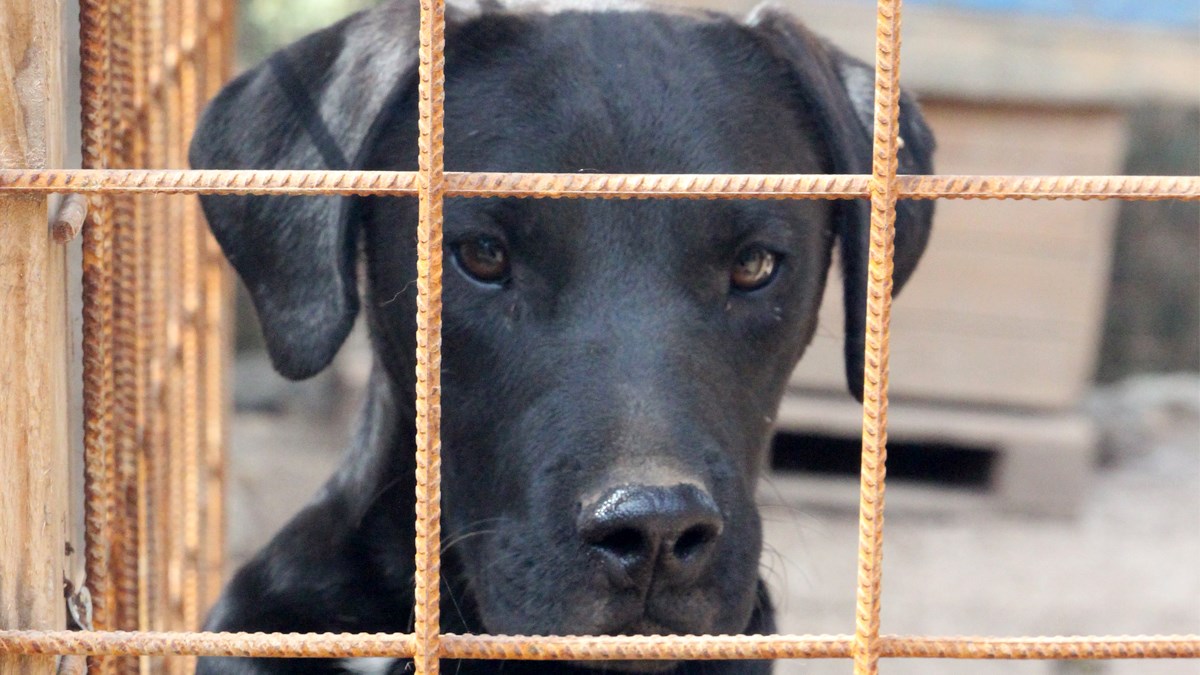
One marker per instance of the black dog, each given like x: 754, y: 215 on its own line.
x: 611, y: 368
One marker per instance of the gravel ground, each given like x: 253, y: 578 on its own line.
x: 955, y: 563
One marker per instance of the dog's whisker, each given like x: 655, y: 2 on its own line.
x: 774, y: 575
x: 458, y: 539
x: 795, y: 513
x: 449, y: 590
x: 472, y: 530
x: 400, y: 292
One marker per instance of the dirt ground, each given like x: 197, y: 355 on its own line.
x: 956, y: 562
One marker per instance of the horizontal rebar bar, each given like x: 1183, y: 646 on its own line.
x: 128, y: 643
x: 608, y: 186
x: 593, y: 647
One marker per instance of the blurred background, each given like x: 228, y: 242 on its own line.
x: 1044, y: 469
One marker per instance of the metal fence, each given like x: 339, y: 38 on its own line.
x: 156, y: 298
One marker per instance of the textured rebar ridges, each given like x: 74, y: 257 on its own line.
x: 99, y: 462
x: 1042, y: 648
x: 601, y: 186
x: 128, y: 382
x: 210, y: 644
x: 191, y: 286
x: 573, y: 648
x: 154, y: 343
x: 218, y: 299
x: 179, y: 389
x: 431, y: 188
x: 884, y: 193
x: 173, y: 554
x: 156, y: 254
x: 1151, y: 188
x: 645, y: 647
x: 812, y: 647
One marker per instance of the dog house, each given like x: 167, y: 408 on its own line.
x: 997, y: 336
x: 155, y: 297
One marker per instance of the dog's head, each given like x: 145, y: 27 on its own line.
x: 611, y: 368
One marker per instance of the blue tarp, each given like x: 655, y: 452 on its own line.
x: 1178, y: 14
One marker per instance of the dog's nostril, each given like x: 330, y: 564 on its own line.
x: 624, y: 543
x: 695, y: 541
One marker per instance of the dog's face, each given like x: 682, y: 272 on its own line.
x: 600, y: 354
x: 610, y: 368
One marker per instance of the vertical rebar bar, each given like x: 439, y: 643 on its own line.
x: 429, y: 334
x: 99, y: 464
x: 884, y: 190
x: 139, y: 152
x: 218, y: 310
x: 190, y: 292
x: 161, y: 457
x: 155, y: 318
x: 127, y: 352
x: 177, y: 433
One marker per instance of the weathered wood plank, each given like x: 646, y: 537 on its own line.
x: 33, y: 337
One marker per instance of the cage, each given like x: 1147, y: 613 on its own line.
x: 156, y: 298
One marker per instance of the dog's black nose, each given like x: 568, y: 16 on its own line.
x: 640, y: 531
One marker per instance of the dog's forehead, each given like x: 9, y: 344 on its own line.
x: 624, y: 92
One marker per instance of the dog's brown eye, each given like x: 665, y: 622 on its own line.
x: 483, y: 259
x: 753, y: 268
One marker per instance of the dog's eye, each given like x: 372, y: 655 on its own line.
x: 484, y: 259
x: 753, y: 268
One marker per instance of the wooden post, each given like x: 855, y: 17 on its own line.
x: 33, y: 334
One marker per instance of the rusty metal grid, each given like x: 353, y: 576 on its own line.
x: 156, y: 298
x: 154, y: 328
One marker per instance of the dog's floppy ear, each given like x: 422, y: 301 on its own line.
x: 838, y: 92
x: 311, y: 105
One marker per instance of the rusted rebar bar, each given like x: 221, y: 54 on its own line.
x: 179, y: 587
x: 430, y: 190
x: 156, y: 255
x: 139, y: 152
x: 884, y: 193
x: 190, y: 289
x: 127, y: 354
x: 99, y: 463
x: 600, y: 186
x: 218, y: 44
x: 637, y: 647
